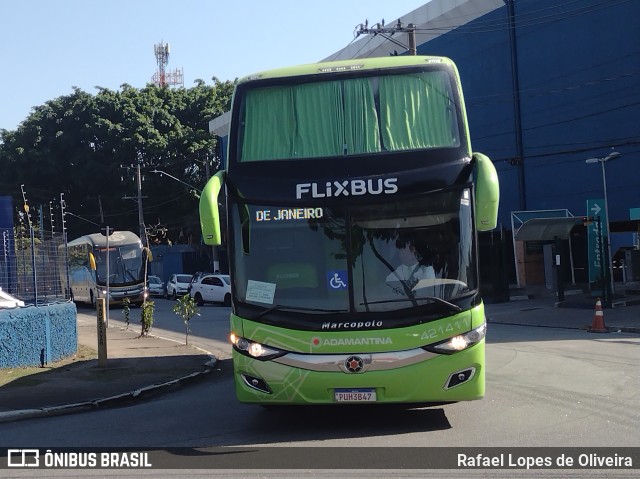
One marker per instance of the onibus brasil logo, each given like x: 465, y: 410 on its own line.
x: 32, y: 458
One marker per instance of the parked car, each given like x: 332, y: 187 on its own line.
x: 156, y: 286
x: 211, y: 288
x: 178, y: 285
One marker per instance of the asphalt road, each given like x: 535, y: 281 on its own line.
x: 546, y: 387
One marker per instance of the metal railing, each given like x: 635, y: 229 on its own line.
x: 33, y: 265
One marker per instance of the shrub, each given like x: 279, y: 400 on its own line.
x: 147, y: 317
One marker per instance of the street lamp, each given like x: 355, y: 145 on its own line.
x: 197, y: 193
x: 194, y: 190
x: 602, y: 161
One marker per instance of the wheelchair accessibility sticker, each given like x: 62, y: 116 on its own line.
x: 337, y: 279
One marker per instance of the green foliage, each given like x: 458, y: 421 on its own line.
x: 186, y: 308
x: 146, y: 318
x: 126, y: 310
x: 76, y: 144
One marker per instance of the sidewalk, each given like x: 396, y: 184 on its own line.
x: 537, y: 306
x: 136, y: 368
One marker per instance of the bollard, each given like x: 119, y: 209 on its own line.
x: 102, y: 332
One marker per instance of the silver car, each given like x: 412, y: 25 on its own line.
x: 156, y: 286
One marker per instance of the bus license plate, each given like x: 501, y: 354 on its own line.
x: 355, y: 395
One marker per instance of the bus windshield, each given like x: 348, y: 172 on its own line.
x: 366, y: 115
x: 358, y: 259
x: 125, y: 264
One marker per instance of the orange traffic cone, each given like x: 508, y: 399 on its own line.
x: 598, y: 320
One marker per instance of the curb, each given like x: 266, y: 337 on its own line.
x: 112, y: 401
x: 625, y: 302
x: 586, y: 327
x: 624, y: 329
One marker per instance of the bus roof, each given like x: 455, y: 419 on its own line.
x: 117, y: 238
x: 348, y: 65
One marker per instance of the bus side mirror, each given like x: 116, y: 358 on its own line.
x: 487, y: 193
x: 92, y: 262
x: 209, y: 212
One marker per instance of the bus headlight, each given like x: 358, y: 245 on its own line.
x: 253, y: 349
x: 460, y: 342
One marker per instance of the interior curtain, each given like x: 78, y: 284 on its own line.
x: 319, y: 117
x: 362, y: 134
x: 269, y: 124
x: 340, y: 117
x: 416, y: 111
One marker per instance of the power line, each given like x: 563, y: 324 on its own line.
x: 388, y: 32
x: 499, y: 24
x: 489, y: 26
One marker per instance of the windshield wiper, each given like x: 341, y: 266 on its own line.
x: 129, y: 272
x: 282, y: 307
x: 444, y: 302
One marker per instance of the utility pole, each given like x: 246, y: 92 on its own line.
x: 107, y: 233
x: 387, y: 33
x: 143, y: 235
x: 206, y: 169
x: 517, y: 116
x: 101, y: 211
x: 143, y: 232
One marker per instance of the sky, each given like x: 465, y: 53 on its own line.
x: 48, y: 47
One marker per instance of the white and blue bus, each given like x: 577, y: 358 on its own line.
x: 88, y: 268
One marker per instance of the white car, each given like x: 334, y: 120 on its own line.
x: 156, y: 286
x: 211, y: 288
x: 178, y: 285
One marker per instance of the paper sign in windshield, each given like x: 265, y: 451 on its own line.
x: 260, y: 292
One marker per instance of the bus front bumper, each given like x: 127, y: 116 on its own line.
x: 432, y: 378
x: 135, y: 296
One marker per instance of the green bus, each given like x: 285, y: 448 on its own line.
x: 352, y: 206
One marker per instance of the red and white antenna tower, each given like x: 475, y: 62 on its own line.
x: 162, y: 77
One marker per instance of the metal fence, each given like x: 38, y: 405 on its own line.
x: 33, y: 264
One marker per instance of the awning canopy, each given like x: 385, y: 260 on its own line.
x: 628, y: 226
x: 546, y: 229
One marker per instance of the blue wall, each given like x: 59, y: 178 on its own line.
x: 579, y: 74
x: 30, y: 335
x: 168, y: 260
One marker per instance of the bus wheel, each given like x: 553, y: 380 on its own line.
x: 92, y: 298
x: 199, y: 300
x: 227, y: 300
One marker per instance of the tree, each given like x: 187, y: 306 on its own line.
x: 84, y: 146
x: 186, y: 308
